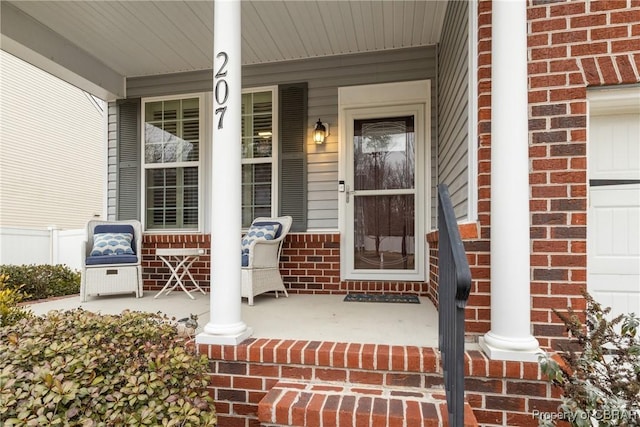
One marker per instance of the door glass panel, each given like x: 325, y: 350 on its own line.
x: 384, y: 153
x: 384, y: 232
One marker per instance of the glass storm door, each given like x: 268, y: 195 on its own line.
x: 382, y: 197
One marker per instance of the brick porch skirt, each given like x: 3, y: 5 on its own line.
x: 274, y: 382
x: 310, y: 263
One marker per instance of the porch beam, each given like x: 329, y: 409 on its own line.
x: 510, y: 336
x: 24, y: 37
x: 225, y: 325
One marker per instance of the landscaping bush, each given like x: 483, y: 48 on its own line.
x: 78, y: 368
x: 10, y: 312
x: 600, y: 379
x: 42, y: 281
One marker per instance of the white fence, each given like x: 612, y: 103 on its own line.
x: 36, y: 246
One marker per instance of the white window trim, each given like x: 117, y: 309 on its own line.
x: 203, y: 150
x: 275, y: 148
x: 380, y: 98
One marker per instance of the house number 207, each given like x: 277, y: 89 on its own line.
x: 221, y: 91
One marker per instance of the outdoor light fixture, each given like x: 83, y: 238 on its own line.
x: 321, y: 132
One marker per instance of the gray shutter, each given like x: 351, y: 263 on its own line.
x: 128, y: 188
x: 293, y: 158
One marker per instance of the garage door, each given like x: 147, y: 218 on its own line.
x: 613, y: 224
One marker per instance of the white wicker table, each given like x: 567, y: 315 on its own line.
x: 179, y: 260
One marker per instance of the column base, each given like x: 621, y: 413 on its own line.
x: 227, y: 339
x: 523, y: 354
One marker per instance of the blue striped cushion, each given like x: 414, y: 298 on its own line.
x: 265, y: 223
x: 112, y: 244
x: 257, y: 232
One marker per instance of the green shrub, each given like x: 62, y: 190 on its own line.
x: 78, y: 368
x: 42, y: 281
x: 599, y: 372
x: 10, y: 312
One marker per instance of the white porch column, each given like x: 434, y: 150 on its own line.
x: 225, y: 325
x: 510, y: 336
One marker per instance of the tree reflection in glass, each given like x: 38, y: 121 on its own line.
x: 384, y: 164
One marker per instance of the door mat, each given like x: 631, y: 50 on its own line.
x: 406, y: 299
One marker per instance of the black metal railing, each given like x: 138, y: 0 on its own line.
x: 454, y: 285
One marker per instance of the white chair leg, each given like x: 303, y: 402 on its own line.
x: 83, y: 288
x: 140, y: 292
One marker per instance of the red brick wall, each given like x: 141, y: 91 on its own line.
x: 573, y: 45
x: 155, y: 273
x: 310, y: 263
x: 478, y: 309
x: 499, y: 392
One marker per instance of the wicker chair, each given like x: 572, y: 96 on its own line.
x: 109, y: 266
x: 261, y: 248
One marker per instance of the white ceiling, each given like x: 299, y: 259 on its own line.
x: 140, y: 38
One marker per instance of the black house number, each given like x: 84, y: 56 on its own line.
x: 221, y: 91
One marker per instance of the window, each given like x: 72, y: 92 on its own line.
x: 258, y: 155
x: 171, y: 136
x: 172, y: 150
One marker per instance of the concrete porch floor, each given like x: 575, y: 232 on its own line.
x: 298, y: 317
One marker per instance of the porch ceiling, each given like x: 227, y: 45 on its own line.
x: 98, y: 44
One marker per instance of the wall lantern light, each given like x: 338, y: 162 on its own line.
x: 320, y: 132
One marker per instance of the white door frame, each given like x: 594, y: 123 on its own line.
x: 379, y: 100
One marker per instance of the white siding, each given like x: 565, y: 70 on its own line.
x: 453, y: 105
x: 324, y: 76
x: 52, y: 139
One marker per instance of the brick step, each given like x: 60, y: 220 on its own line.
x: 331, y: 355
x: 244, y: 374
x: 335, y: 404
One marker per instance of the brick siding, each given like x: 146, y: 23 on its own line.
x: 155, y: 273
x: 571, y: 46
x: 478, y: 309
x: 309, y: 264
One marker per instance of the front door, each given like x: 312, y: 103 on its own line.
x: 384, y: 193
